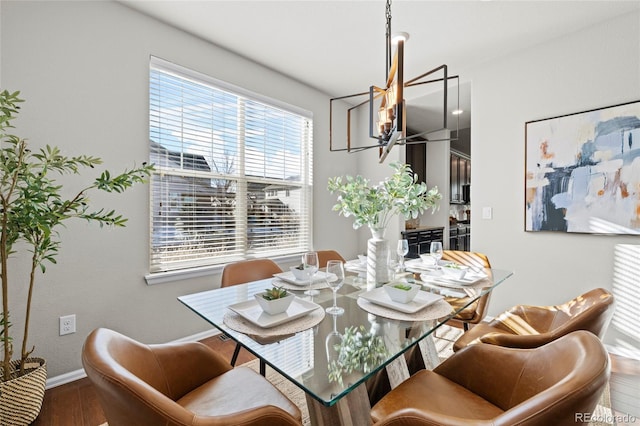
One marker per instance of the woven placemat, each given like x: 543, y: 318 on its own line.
x: 436, y: 310
x: 273, y: 334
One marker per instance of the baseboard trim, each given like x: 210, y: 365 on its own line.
x: 72, y: 376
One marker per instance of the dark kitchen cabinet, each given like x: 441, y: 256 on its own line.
x: 420, y: 240
x: 417, y: 158
x: 460, y: 237
x: 460, y: 178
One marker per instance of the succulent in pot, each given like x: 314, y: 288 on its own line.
x: 402, y: 292
x: 275, y: 300
x: 299, y: 272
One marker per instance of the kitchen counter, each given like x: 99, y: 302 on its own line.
x: 423, y: 228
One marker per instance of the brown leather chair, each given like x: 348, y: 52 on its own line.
x: 475, y: 312
x: 526, y: 326
x: 178, y: 384
x: 378, y: 385
x: 326, y: 255
x: 559, y: 383
x: 246, y: 271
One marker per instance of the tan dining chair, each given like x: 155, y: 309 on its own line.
x: 326, y: 255
x: 494, y: 385
x: 379, y: 384
x: 476, y: 311
x: 178, y: 384
x: 525, y: 326
x: 245, y: 271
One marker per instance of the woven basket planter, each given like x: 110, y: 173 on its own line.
x: 21, y: 398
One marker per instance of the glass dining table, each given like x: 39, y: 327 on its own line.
x: 330, y: 357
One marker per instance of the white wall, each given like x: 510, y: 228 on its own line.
x: 83, y: 69
x: 593, y: 68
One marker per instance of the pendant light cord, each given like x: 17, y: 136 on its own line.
x: 388, y: 37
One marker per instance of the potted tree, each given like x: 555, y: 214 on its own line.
x: 32, y: 208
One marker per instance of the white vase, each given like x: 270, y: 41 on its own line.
x: 377, y: 258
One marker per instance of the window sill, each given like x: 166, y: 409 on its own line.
x: 186, y: 274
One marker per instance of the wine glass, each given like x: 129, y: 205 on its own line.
x: 310, y: 267
x: 436, y: 251
x: 332, y: 345
x: 402, y: 250
x: 335, y: 279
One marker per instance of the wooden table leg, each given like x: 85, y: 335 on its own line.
x: 352, y: 410
x: 429, y: 352
x: 397, y: 371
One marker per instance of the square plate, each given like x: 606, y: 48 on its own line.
x: 380, y: 297
x: 251, y: 311
x: 418, y: 265
x: 355, y: 266
x: 469, y: 279
x: 290, y: 278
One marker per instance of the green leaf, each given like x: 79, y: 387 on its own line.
x: 34, y: 205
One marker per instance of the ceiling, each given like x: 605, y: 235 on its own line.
x: 338, y: 47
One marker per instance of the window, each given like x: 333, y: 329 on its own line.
x: 233, y: 172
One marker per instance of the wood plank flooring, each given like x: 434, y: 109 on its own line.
x: 76, y: 403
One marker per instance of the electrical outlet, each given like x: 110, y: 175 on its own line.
x: 67, y: 324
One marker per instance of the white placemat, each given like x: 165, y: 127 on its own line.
x: 434, y: 311
x: 268, y: 335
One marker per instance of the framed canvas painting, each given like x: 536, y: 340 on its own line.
x: 583, y: 171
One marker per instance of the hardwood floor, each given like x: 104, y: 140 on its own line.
x: 624, y: 387
x: 76, y: 404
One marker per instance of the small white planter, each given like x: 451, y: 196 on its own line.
x: 276, y: 306
x: 455, y: 271
x: 400, y: 295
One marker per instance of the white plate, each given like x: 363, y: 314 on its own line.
x: 290, y: 278
x: 469, y: 279
x: 419, y: 265
x: 251, y: 311
x: 380, y: 297
x: 355, y: 266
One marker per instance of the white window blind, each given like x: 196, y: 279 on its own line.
x: 233, y: 172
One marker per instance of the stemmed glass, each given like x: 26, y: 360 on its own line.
x: 436, y: 252
x: 335, y: 279
x: 310, y: 267
x: 402, y: 250
x: 332, y: 344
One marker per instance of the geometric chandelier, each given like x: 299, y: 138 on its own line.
x: 387, y: 106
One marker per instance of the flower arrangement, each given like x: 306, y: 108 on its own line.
x: 374, y: 206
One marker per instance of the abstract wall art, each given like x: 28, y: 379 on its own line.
x: 583, y: 172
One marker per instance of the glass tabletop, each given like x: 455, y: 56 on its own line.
x: 338, y: 352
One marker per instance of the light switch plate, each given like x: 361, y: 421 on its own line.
x: 487, y: 213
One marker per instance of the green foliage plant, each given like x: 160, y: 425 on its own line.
x: 33, y: 207
x: 375, y: 205
x: 275, y: 293
x: 359, y: 350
